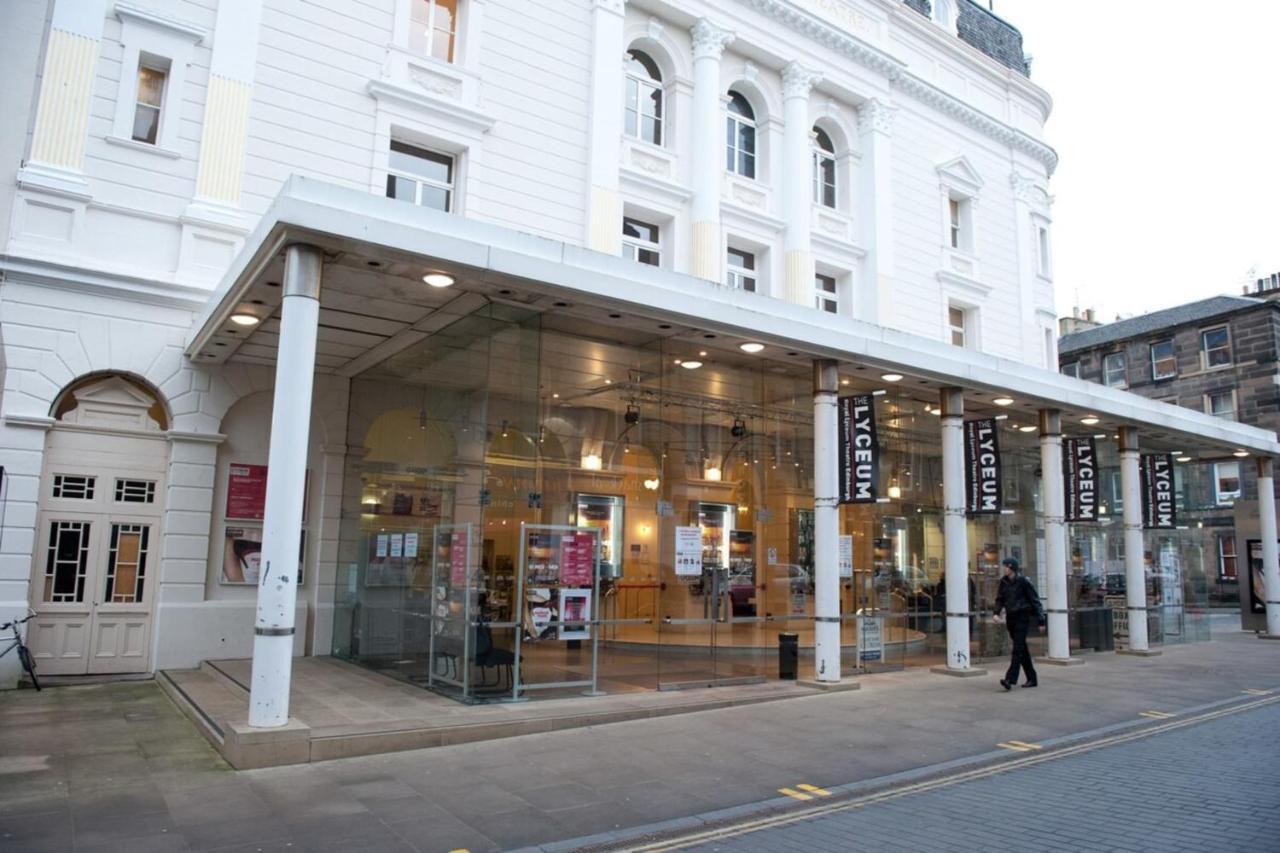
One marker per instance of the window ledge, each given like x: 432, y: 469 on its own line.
x: 431, y: 104
x: 143, y: 146
x: 963, y: 284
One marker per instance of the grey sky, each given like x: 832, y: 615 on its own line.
x: 1167, y: 123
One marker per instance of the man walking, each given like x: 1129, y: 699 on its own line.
x: 1018, y: 600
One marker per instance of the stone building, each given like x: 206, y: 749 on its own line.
x: 1220, y: 356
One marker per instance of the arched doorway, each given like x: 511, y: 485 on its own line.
x: 97, y: 554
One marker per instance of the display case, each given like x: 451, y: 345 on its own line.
x: 604, y: 513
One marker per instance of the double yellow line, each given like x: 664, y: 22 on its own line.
x: 1035, y: 757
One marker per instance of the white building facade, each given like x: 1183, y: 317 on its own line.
x: 850, y: 158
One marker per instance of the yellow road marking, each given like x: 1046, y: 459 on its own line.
x: 1253, y: 691
x: 460, y: 850
x: 1155, y: 715
x: 1017, y: 746
x: 792, y: 792
x: 1025, y: 744
x: 814, y: 789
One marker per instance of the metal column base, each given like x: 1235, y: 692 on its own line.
x: 972, y: 672
x: 1061, y: 661
x: 1140, y: 653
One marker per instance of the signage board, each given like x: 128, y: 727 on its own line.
x: 858, y: 449
x: 1080, y: 479
x: 983, y: 495
x: 846, y: 556
x: 1156, y: 476
x: 688, y: 551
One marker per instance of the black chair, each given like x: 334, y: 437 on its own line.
x: 487, y: 657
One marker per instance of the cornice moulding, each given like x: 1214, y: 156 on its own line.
x: 157, y: 19
x: 480, y: 122
x: 830, y: 36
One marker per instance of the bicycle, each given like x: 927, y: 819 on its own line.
x: 24, y: 653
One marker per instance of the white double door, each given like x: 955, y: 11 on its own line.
x: 97, y: 556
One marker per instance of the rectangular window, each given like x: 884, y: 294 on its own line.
x: 1164, y: 364
x: 1216, y: 347
x: 127, y: 563
x: 420, y: 176
x: 152, y: 74
x: 740, y: 270
x: 135, y: 491
x: 1071, y: 368
x: 1113, y: 370
x: 959, y: 321
x: 1221, y: 404
x: 1042, y: 251
x: 73, y: 487
x: 640, y: 242
x: 953, y: 208
x: 1226, y: 478
x: 1226, y: 557
x: 433, y: 28
x: 66, y: 562
x: 826, y: 297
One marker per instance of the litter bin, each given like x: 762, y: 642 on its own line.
x: 788, y: 656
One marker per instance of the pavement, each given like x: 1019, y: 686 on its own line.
x: 117, y: 767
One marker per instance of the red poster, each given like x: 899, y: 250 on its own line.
x: 576, y: 559
x: 246, y: 491
x: 458, y: 558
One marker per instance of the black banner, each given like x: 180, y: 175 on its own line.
x: 1080, y: 479
x: 982, y: 467
x: 1158, y: 510
x: 859, y: 450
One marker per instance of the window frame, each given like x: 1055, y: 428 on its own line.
x: 432, y: 29
x: 1173, y: 355
x: 1074, y: 369
x: 739, y: 276
x: 633, y: 81
x: 152, y: 41
x: 449, y: 187
x: 1044, y: 252
x: 1124, y: 370
x: 1205, y: 351
x: 1226, y: 497
x: 633, y: 246
x: 826, y: 301
x: 735, y: 125
x: 1223, y: 556
x: 969, y: 328
x: 824, y: 163
x: 157, y: 65
x: 1230, y: 394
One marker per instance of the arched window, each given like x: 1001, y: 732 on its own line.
x: 644, y: 98
x: 824, y: 169
x: 740, y: 151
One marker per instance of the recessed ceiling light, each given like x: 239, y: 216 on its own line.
x: 438, y: 279
x: 703, y: 353
x: 1241, y: 453
x: 608, y: 382
x: 751, y: 347
x: 1003, y: 401
x: 245, y: 319
x: 555, y: 396
x: 1002, y: 417
x: 892, y: 377
x: 677, y: 361
x: 1184, y: 458
x: 691, y: 365
x: 1027, y: 428
x: 1089, y: 420
x: 844, y: 381
x: 1100, y: 435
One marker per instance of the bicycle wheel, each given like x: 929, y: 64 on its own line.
x: 24, y: 655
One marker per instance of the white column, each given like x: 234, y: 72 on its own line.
x: 1135, y: 580
x: 707, y: 156
x: 826, y: 524
x: 955, y: 538
x: 604, y: 220
x: 286, y: 482
x: 875, y: 210
x: 1055, y: 533
x: 797, y: 181
x: 1267, y: 530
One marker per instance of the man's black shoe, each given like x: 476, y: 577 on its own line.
x: 1031, y: 684
x: 1006, y: 685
